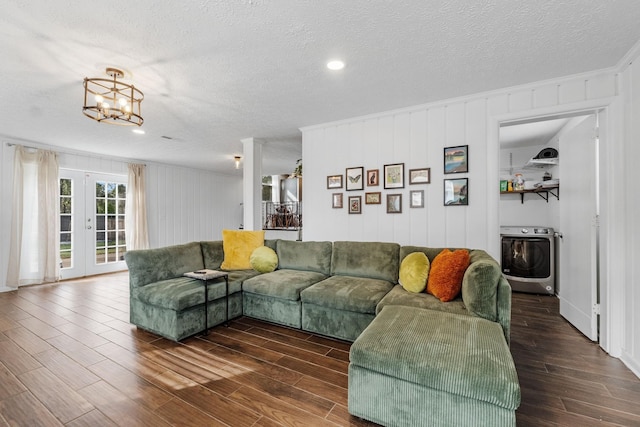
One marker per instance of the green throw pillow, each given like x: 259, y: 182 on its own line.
x: 264, y: 259
x: 414, y: 271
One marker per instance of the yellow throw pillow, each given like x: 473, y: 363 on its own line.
x: 447, y: 271
x: 238, y: 245
x: 414, y: 271
x: 264, y: 259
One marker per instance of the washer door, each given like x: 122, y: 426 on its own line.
x: 526, y: 257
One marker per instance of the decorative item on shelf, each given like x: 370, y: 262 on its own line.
x: 116, y: 102
x: 518, y: 182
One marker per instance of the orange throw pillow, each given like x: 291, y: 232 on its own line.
x: 447, y: 271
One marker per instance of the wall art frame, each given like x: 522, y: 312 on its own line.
x: 456, y: 159
x: 394, y: 203
x: 334, y: 181
x: 394, y: 176
x: 336, y: 200
x: 416, y: 199
x: 456, y: 192
x: 373, y: 198
x: 355, y: 204
x: 420, y: 176
x: 354, y: 178
x: 373, y: 177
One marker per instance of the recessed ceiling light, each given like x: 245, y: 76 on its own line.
x: 138, y: 131
x: 335, y: 65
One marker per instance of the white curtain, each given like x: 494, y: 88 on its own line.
x: 35, y: 236
x: 136, y: 209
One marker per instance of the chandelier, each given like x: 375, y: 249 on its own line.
x: 112, y: 101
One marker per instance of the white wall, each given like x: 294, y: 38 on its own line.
x: 183, y: 204
x: 628, y: 156
x: 417, y: 136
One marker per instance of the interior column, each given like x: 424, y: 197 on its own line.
x: 252, y: 183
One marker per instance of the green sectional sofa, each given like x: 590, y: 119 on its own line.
x: 346, y: 290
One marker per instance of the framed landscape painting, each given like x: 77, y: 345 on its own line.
x: 420, y: 176
x: 372, y: 198
x: 334, y: 181
x: 394, y: 203
x: 456, y: 192
x: 456, y: 159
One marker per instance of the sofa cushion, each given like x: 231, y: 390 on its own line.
x: 175, y: 294
x: 366, y: 259
x: 212, y: 254
x: 307, y: 256
x: 285, y: 284
x: 480, y: 285
x: 447, y: 271
x: 357, y: 294
x: 238, y: 246
x: 399, y: 296
x: 414, y: 271
x: 264, y: 259
x: 462, y: 355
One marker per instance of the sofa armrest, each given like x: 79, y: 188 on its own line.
x: 152, y: 265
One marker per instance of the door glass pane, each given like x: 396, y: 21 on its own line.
x: 113, y: 204
x: 100, y: 189
x: 66, y: 221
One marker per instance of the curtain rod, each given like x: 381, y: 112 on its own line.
x: 12, y: 144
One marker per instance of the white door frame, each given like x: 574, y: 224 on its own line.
x: 611, y: 220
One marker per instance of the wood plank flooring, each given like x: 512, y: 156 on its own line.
x: 68, y: 356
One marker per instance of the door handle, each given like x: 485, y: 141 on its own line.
x: 88, y: 227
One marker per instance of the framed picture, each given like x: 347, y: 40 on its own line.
x: 355, y: 204
x: 456, y: 159
x: 355, y: 178
x: 373, y: 177
x: 420, y: 176
x: 394, y: 203
x: 456, y: 191
x: 394, y: 175
x: 334, y: 181
x: 372, y: 198
x: 336, y: 200
x: 416, y: 199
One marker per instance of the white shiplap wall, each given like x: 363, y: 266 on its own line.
x: 183, y: 204
x: 416, y: 136
x: 630, y: 154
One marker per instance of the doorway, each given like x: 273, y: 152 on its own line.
x: 573, y: 213
x: 92, y: 223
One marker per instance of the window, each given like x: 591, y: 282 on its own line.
x: 66, y: 222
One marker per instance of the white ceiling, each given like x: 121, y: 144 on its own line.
x: 215, y: 72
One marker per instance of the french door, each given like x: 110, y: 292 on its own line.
x: 92, y: 223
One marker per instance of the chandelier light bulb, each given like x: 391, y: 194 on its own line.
x: 99, y: 99
x: 122, y: 101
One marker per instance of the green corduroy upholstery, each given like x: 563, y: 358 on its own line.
x: 463, y: 360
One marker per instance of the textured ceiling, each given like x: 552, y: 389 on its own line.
x: 215, y: 72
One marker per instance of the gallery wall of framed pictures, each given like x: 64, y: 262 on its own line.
x: 392, y: 175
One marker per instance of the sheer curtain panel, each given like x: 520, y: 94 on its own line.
x: 136, y: 209
x: 35, y: 236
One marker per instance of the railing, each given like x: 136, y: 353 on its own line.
x: 281, y: 216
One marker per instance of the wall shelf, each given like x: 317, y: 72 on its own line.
x: 543, y: 192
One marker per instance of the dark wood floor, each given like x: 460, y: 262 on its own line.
x: 68, y: 356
